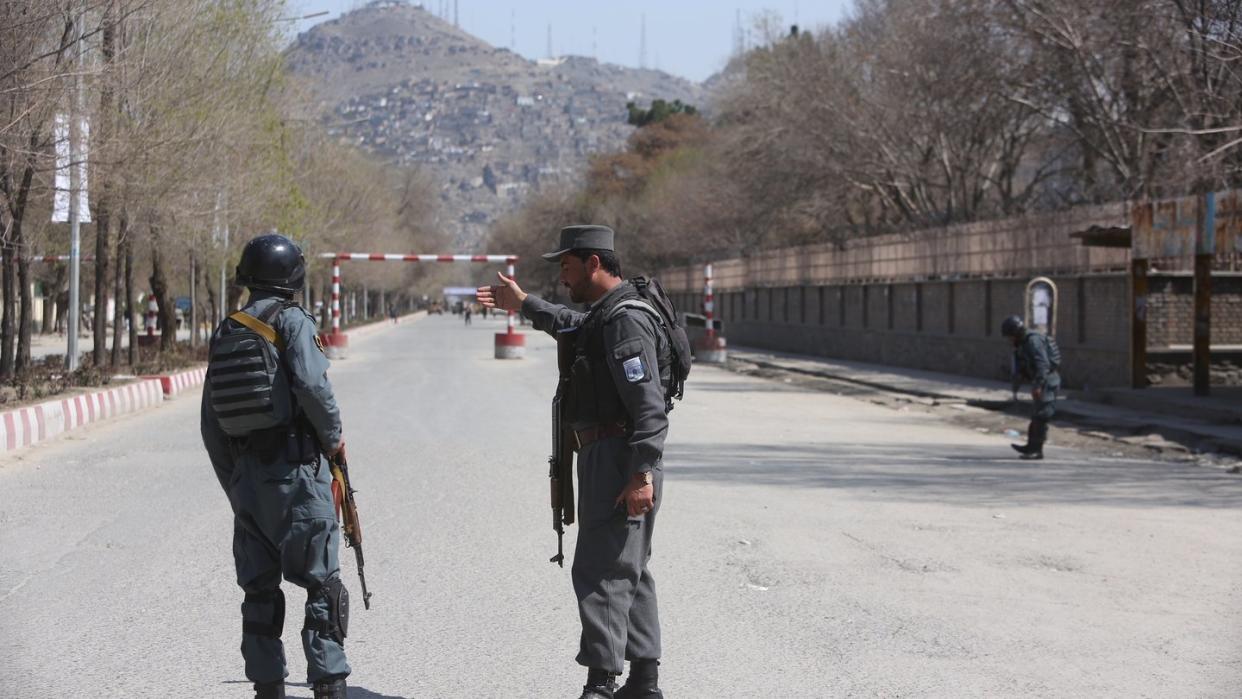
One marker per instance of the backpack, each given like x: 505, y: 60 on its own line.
x: 248, y: 391
x: 1054, y: 351
x: 656, y: 302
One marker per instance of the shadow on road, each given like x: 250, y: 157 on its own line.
x: 955, y: 474
x: 301, y: 690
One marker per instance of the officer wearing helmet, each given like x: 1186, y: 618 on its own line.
x: 268, y: 419
x: 1035, y: 359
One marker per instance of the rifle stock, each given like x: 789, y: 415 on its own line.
x: 347, y: 515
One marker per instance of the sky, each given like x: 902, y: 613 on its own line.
x: 689, y: 38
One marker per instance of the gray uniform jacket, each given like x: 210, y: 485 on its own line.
x: 1033, y: 363
x: 308, y: 378
x: 635, y: 342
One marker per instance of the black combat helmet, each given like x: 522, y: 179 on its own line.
x: 1012, y: 326
x: 272, y: 262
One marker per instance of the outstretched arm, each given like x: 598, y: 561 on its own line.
x: 546, y: 316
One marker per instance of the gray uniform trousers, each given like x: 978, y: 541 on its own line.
x: 284, y: 525
x: 1045, y: 409
x: 616, y: 592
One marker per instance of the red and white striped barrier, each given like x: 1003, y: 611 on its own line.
x: 711, y: 348
x: 508, y: 345
x: 370, y: 257
x: 174, y: 384
x: 22, y: 427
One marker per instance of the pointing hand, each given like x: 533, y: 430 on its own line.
x: 507, y: 296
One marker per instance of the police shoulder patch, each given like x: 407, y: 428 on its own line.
x: 634, y: 369
x: 319, y: 342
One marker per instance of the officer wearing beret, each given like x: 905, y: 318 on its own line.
x: 268, y: 418
x: 618, y: 411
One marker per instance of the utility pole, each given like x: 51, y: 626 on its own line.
x: 642, y: 42
x: 75, y: 185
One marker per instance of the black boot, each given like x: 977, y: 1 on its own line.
x: 330, y: 689
x: 600, y: 684
x: 643, y: 681
x: 269, y: 690
x: 1036, y: 433
x: 1036, y: 436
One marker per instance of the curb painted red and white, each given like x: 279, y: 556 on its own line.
x: 174, y: 384
x: 22, y: 427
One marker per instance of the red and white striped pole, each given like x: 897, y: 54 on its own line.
x: 153, y: 312
x: 336, y: 343
x: 708, y: 301
x: 711, y: 348
x: 336, y: 297
x: 510, y: 344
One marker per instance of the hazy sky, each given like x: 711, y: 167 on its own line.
x: 690, y: 38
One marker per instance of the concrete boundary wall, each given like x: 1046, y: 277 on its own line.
x: 950, y: 326
x: 1015, y: 247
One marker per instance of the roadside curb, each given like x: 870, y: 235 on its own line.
x: 42, y: 422
x: 174, y: 384
x: 1142, y: 426
x: 33, y: 424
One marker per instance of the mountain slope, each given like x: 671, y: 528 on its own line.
x: 491, y: 126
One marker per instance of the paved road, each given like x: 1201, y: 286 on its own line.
x: 810, y: 545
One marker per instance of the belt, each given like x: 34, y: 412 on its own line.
x: 590, y: 435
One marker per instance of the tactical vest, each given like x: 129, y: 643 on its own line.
x: 249, y: 391
x: 1026, y: 360
x: 592, y: 397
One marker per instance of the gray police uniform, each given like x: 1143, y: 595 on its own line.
x: 615, y: 590
x: 1034, y: 365
x: 284, y: 519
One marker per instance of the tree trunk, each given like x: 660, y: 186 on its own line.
x: 118, y: 290
x: 103, y: 206
x: 51, y: 292
x: 25, y: 314
x: 6, y: 317
x: 212, y: 302
x: 159, y: 288
x: 132, y: 354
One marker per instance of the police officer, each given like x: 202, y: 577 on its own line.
x: 284, y: 520
x: 1033, y: 362
x: 617, y: 410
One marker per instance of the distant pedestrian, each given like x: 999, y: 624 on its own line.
x: 392, y: 313
x: 1037, y: 360
x: 466, y: 313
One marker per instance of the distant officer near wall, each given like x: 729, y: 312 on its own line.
x: 269, y: 417
x: 1036, y: 360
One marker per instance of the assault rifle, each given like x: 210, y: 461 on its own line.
x: 347, y: 515
x: 561, y: 463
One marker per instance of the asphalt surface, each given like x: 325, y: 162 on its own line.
x: 809, y: 545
